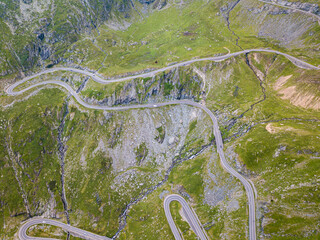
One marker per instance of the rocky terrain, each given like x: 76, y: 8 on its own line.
x: 108, y: 172
x: 37, y: 33
x: 304, y: 6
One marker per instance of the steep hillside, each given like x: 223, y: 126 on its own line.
x: 37, y: 33
x: 109, y: 171
x: 113, y: 36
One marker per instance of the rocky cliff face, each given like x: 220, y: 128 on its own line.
x: 38, y: 32
x: 46, y: 28
x: 181, y: 83
x: 308, y: 7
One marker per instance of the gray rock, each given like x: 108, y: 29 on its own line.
x: 146, y: 1
x: 27, y: 1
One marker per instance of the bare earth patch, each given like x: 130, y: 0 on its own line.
x: 297, y: 98
x: 305, y: 100
x: 255, y: 56
x: 281, y: 81
x: 271, y: 128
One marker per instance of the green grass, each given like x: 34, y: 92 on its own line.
x: 161, y: 134
x: 141, y: 153
x: 284, y: 160
x: 285, y: 163
x: 180, y: 33
x: 177, y: 83
x: 224, y: 77
x: 165, y: 32
x: 147, y: 220
x: 190, y: 178
x: 303, y: 47
x: 47, y: 231
x: 98, y: 91
x: 290, y: 212
x: 186, y: 178
x: 182, y: 225
x: 29, y: 128
x: 234, y: 88
x: 93, y: 193
x: 167, y: 88
x: 193, y: 125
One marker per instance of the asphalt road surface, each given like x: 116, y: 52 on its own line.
x: 99, y: 79
x: 73, y: 230
x: 218, y: 138
x: 295, y: 9
x: 189, y: 214
x: 219, y: 143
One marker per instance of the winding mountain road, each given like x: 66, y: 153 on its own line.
x: 217, y: 133
x: 189, y: 214
x: 218, y: 138
x: 77, y: 232
x: 99, y: 79
x: 292, y: 8
x: 73, y: 230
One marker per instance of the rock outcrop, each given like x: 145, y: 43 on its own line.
x: 307, y: 7
x: 170, y: 85
x: 47, y: 28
